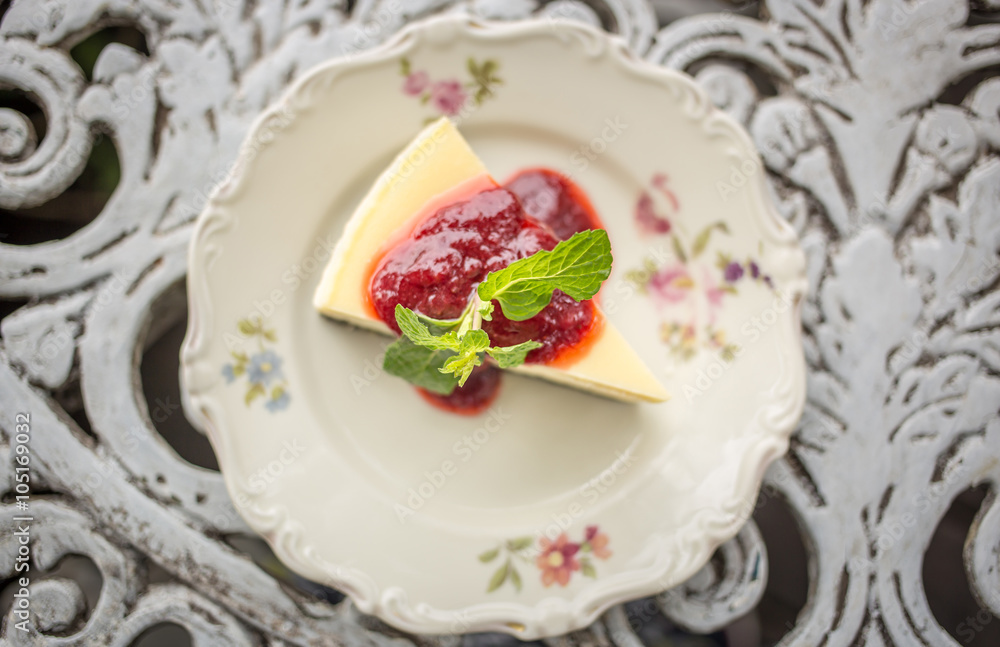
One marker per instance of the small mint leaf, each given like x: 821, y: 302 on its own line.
x: 420, y: 366
x: 576, y: 266
x: 417, y: 332
x: 439, y: 325
x: 511, y: 356
x: 474, y: 341
x: 468, y: 358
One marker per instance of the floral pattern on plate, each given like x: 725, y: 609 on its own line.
x: 556, y: 559
x: 262, y: 369
x: 688, y: 290
x: 450, y: 96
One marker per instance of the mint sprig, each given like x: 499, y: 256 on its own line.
x: 439, y: 355
x: 576, y: 266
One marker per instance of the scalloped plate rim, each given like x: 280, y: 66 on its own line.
x: 552, y: 616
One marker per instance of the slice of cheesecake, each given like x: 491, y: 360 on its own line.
x: 438, y: 168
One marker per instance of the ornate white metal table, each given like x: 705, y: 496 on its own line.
x: 879, y: 126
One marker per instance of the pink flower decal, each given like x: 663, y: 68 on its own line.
x: 645, y: 214
x: 672, y: 283
x: 416, y: 83
x: 557, y: 561
x: 598, y: 543
x: 449, y: 97
x: 714, y: 292
x: 650, y: 221
x: 691, y: 305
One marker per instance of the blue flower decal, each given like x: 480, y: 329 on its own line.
x: 265, y: 378
x: 264, y: 367
x: 278, y: 402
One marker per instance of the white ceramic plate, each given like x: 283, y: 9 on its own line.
x: 356, y: 482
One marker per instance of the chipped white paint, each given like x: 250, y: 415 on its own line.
x: 894, y: 194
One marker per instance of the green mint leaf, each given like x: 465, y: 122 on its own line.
x: 511, y: 356
x: 486, y: 310
x: 472, y: 344
x: 419, y: 365
x: 417, y: 331
x: 462, y: 366
x: 443, y: 324
x: 576, y: 266
x: 474, y: 341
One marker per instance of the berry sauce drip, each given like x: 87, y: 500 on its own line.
x: 435, y: 269
x: 475, y: 397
